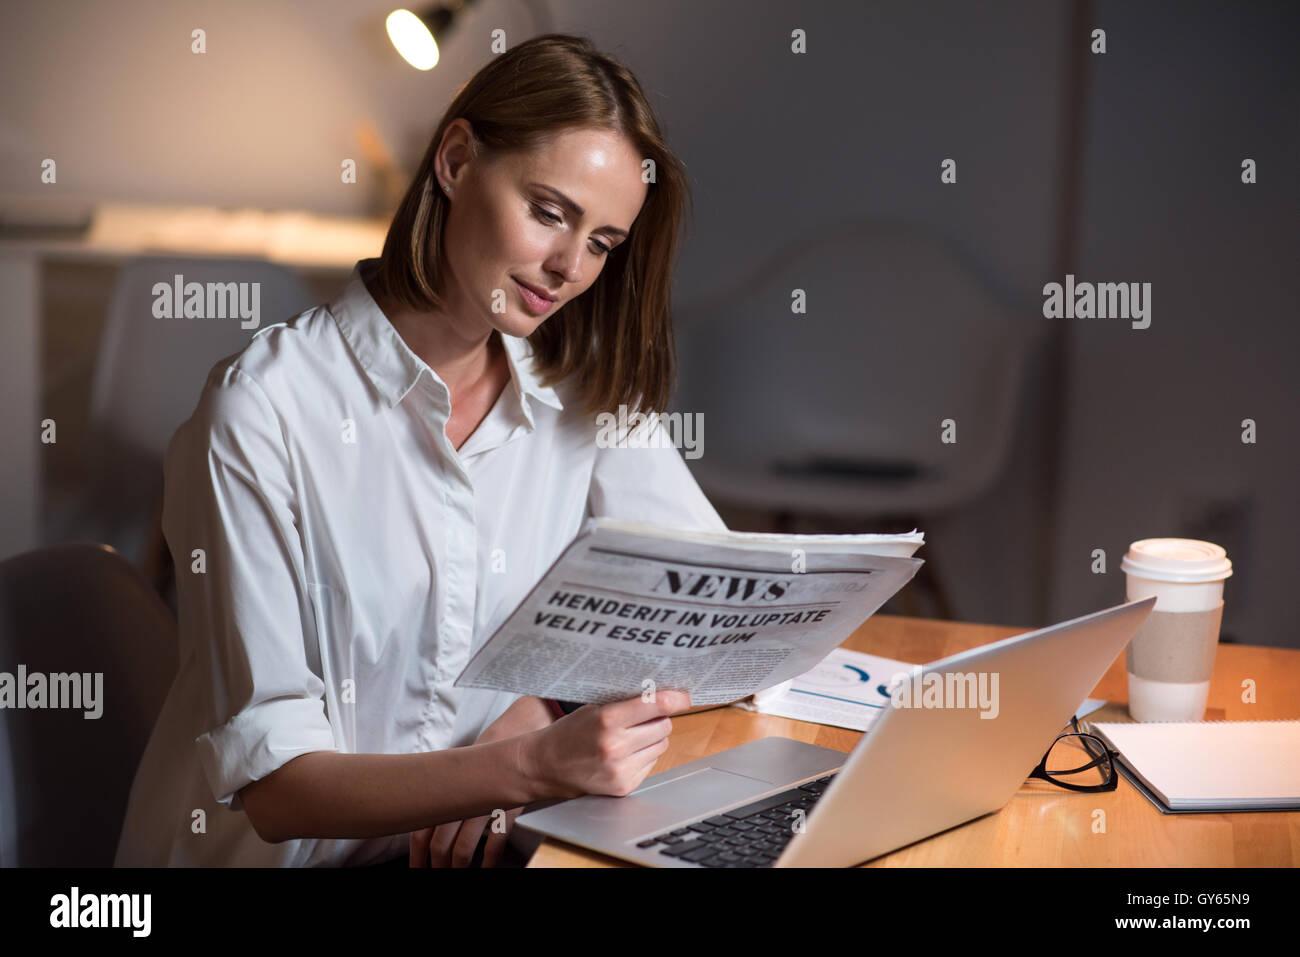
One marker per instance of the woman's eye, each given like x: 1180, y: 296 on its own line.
x: 552, y: 219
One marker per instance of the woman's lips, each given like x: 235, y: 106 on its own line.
x: 536, y: 304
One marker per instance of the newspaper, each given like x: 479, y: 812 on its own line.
x: 629, y: 609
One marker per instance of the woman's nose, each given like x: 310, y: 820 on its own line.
x: 566, y: 262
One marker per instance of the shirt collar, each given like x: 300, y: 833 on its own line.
x: 391, y: 365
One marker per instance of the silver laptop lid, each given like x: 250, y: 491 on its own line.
x: 973, y: 726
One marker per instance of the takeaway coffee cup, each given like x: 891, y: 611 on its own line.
x: 1171, y: 657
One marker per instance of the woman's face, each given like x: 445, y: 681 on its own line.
x: 509, y: 224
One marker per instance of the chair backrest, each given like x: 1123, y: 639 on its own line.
x: 64, y: 777
x: 150, y: 371
x: 840, y: 408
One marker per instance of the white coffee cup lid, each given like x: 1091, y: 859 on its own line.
x: 1177, y: 560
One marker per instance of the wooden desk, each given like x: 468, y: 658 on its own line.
x: 1042, y: 825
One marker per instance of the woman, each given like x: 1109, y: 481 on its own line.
x: 365, y: 492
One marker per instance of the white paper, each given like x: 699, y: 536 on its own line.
x: 1088, y: 707
x: 630, y: 609
x: 848, y: 689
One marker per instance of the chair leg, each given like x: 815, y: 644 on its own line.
x: 929, y: 574
x: 907, y: 601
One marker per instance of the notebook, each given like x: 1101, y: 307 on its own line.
x: 1210, y: 766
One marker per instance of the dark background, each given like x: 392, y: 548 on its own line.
x: 1116, y: 167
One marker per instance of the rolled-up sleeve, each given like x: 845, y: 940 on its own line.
x: 641, y: 478
x: 231, y: 520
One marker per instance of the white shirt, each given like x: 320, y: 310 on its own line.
x: 352, y: 561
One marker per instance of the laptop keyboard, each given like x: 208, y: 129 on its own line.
x: 749, y: 836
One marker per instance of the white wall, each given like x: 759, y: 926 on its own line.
x: 112, y: 91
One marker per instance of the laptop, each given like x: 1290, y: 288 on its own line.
x: 957, y: 741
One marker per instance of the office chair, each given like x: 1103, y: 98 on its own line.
x: 839, y: 413
x: 147, y: 381
x: 65, y: 778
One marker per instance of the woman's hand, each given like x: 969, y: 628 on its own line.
x: 603, y: 749
x: 597, y: 749
x: 453, y: 844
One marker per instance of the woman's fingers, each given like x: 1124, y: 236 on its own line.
x: 650, y: 756
x: 419, y: 852
x: 453, y: 844
x: 498, y: 840
x: 645, y: 735
x: 462, y: 849
x: 440, y: 844
x: 635, y: 711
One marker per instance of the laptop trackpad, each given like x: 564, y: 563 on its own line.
x: 700, y: 791
x: 601, y: 821
x: 598, y: 818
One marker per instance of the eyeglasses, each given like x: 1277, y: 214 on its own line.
x: 1054, y: 768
